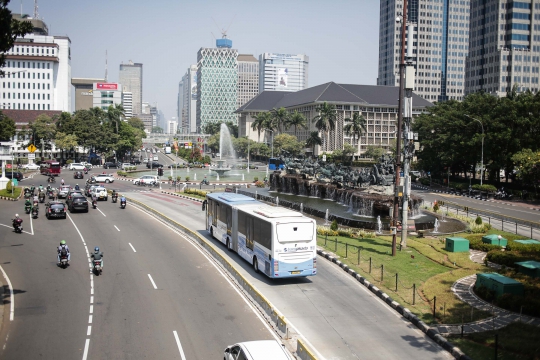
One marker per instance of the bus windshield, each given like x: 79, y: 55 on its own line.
x: 294, y: 232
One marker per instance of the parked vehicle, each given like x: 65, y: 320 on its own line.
x: 14, y: 175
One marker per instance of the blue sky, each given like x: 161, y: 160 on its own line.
x: 339, y: 36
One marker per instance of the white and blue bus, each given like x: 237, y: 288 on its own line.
x: 278, y: 242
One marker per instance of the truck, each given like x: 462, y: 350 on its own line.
x: 167, y: 149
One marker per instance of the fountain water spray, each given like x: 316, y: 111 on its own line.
x: 256, y: 195
x: 443, y: 216
x: 242, y: 177
x: 301, y: 207
x: 326, y: 218
x: 277, y: 201
x: 436, y: 226
x: 225, y: 143
x: 188, y: 169
x: 379, y: 225
x: 195, y: 176
x: 217, y: 177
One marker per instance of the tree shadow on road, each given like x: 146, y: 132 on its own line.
x: 6, y: 294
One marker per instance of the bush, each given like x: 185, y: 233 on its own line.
x: 478, y: 220
x: 259, y: 184
x: 194, y: 191
x: 69, y: 162
x: 424, y: 181
x: 178, y: 178
x: 436, y: 207
x: 255, y: 179
x: 170, y: 178
x: 9, y: 186
x: 484, y: 187
x: 334, y: 225
x: 324, y: 230
x: 187, y: 178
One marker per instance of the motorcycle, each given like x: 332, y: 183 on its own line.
x: 63, y: 261
x: 205, y: 182
x: 51, y: 179
x: 41, y: 197
x: 94, y: 203
x: 114, y: 198
x: 85, y: 171
x: 35, y: 212
x: 27, y: 208
x: 98, y: 269
x: 123, y: 204
x: 17, y: 226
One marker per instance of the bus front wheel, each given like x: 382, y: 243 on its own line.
x: 255, y: 264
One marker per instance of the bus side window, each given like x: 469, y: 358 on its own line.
x: 250, y: 232
x: 229, y: 220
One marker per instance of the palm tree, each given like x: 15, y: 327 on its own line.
x: 326, y: 120
x: 260, y: 122
x: 115, y: 114
x: 313, y: 140
x: 297, y: 120
x: 280, y: 117
x: 355, y: 127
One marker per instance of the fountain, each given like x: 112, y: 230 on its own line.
x: 225, y: 143
x: 195, y: 177
x: 379, y: 225
x: 277, y: 201
x: 256, y: 195
x: 326, y: 218
x: 243, y: 177
x: 436, y: 226
x: 217, y: 177
x: 301, y: 207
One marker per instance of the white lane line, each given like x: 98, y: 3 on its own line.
x: 179, y: 345
x: 91, y: 299
x: 85, y: 353
x: 89, y: 331
x: 11, y: 297
x: 101, y: 212
x: 11, y: 227
x: 31, y: 225
x: 132, y: 247
x: 116, y: 228
x: 90, y: 318
x: 91, y: 309
x: 152, y: 280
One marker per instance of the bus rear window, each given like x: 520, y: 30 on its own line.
x: 294, y: 232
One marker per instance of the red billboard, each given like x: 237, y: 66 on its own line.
x: 107, y: 86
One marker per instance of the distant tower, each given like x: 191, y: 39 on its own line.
x: 36, y: 12
x: 106, y: 67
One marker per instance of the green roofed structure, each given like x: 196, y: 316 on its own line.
x: 529, y: 268
x: 456, y: 244
x: 499, y: 284
x: 528, y: 242
x: 494, y: 239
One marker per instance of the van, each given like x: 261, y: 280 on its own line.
x: 257, y: 350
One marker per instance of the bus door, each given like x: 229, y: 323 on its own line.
x: 215, y: 212
x: 250, y: 236
x: 234, y: 236
x: 229, y: 220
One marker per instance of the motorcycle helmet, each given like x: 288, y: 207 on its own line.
x: 63, y: 242
x: 96, y: 249
x: 16, y: 215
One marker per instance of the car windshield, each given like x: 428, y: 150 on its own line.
x: 57, y: 206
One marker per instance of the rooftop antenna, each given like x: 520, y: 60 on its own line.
x: 223, y: 31
x: 36, y: 12
x: 106, y: 70
x: 21, y: 8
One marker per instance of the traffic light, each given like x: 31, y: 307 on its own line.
x: 160, y: 171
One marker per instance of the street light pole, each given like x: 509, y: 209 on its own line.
x: 482, y: 158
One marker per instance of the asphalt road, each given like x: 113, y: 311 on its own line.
x: 155, y: 286
x: 337, y: 315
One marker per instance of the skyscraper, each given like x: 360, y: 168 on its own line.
x: 441, y: 42
x: 217, y: 84
x: 503, y: 51
x: 248, y: 78
x: 283, y: 72
x: 131, y: 78
x: 189, y: 93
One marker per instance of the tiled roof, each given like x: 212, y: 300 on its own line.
x: 24, y: 117
x: 332, y: 93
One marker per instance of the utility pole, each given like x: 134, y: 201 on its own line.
x: 408, y: 136
x: 399, y: 125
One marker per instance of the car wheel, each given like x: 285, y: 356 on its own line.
x: 107, y: 181
x: 86, y: 210
x: 106, y: 197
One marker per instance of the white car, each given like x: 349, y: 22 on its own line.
x: 100, y: 192
x: 104, y: 178
x: 256, y: 350
x: 146, y: 179
x: 145, y: 160
x: 76, y: 166
x: 125, y: 165
x: 31, y: 166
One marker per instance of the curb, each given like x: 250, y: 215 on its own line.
x: 181, y: 196
x: 406, y: 313
x: 187, y: 183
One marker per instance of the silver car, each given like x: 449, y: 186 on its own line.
x: 63, y: 191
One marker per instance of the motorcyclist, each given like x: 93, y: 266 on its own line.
x: 77, y: 187
x: 62, y: 182
x: 33, y: 189
x: 40, y: 188
x: 27, y: 203
x: 97, y: 255
x: 63, y: 250
x: 94, y: 199
x: 122, y: 199
x: 51, y: 179
x: 17, y: 221
x: 114, y: 195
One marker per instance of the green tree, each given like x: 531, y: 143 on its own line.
x: 313, y: 140
x: 355, y: 127
x: 7, y: 128
x: 65, y: 141
x: 260, y: 121
x: 527, y: 164
x: 348, y: 152
x: 326, y: 120
x: 297, y: 120
x: 136, y: 123
x: 42, y: 129
x: 10, y: 29
x: 288, y: 143
x: 280, y: 117
x: 157, y: 130
x: 213, y: 142
x: 115, y: 114
x: 374, y: 152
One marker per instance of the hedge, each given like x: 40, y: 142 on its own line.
x: 509, y: 258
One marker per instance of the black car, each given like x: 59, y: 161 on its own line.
x: 110, y: 165
x: 78, y: 175
x: 77, y: 202
x: 55, y: 209
x: 153, y: 165
x: 14, y: 174
x: 135, y: 162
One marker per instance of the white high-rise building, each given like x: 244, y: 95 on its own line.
x: 283, y: 72
x: 172, y: 126
x: 38, y: 72
x: 106, y: 94
x: 440, y: 46
x: 248, y: 78
x: 127, y: 103
x: 131, y: 78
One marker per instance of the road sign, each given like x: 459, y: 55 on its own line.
x: 31, y: 148
x: 31, y: 156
